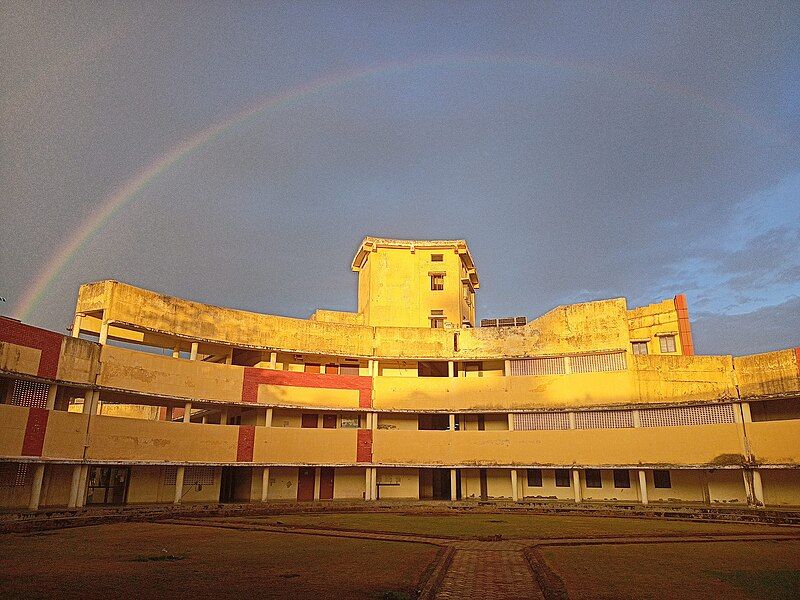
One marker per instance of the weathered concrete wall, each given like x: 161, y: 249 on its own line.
x: 769, y: 374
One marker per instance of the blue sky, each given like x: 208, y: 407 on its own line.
x: 620, y: 149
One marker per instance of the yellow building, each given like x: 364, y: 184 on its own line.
x: 405, y: 398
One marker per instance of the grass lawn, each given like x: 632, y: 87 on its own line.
x: 730, y: 570
x: 146, y: 560
x: 507, y: 525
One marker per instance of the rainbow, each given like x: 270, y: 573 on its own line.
x: 129, y: 190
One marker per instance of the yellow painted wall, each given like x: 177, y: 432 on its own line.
x: 305, y: 446
x: 646, y: 322
x: 407, y: 480
x: 19, y: 359
x: 548, y: 488
x: 13, y: 420
x: 66, y: 435
x: 349, y: 482
x: 775, y: 442
x: 79, y: 361
x: 781, y: 486
x: 686, y: 487
x: 772, y: 373
x: 283, y: 483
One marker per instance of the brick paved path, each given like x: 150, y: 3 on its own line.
x: 491, y: 574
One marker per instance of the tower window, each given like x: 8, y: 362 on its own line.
x: 437, y: 282
x: 639, y: 347
x: 437, y: 319
x: 667, y: 343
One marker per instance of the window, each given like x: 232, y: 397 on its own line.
x: 437, y: 282
x: 347, y: 369
x: 437, y: 257
x: 437, y: 319
x: 311, y: 368
x: 639, y: 348
x: 622, y: 478
x: 562, y: 477
x: 534, y: 478
x: 593, y: 478
x: 661, y: 479
x: 331, y: 369
x: 667, y: 343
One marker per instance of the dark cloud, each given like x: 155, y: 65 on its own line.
x: 642, y: 150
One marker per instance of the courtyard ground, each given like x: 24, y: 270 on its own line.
x: 396, y: 555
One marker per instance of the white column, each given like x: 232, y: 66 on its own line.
x: 223, y: 416
x: 268, y: 418
x: 452, y: 423
x: 507, y: 368
x: 179, y: 475
x: 758, y: 488
x: 374, y: 483
x: 103, y: 331
x: 193, y: 352
x: 576, y: 484
x: 265, y: 484
x: 187, y: 412
x: 749, y: 487
x: 176, y: 352
x: 52, y: 390
x: 229, y: 357
x: 76, y: 325
x: 511, y: 421
x: 637, y: 419
x: 73, y: 488
x: 514, y: 486
x: 367, y: 483
x: 573, y: 422
x: 273, y: 360
x: 567, y: 364
x: 453, y: 485
x: 317, y: 473
x: 643, y: 486
x: 36, y: 487
x: 374, y: 421
x: 451, y: 368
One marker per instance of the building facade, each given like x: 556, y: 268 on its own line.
x: 155, y: 399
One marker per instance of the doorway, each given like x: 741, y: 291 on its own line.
x: 306, y: 478
x: 108, y: 485
x: 326, y: 476
x: 434, y: 484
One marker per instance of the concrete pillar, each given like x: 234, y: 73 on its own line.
x: 374, y: 493
x: 179, y: 475
x: 52, y: 391
x: 193, y: 351
x: 176, y: 352
x: 273, y: 360
x: 758, y: 488
x: 643, y: 486
x: 746, y: 416
x: 317, y: 474
x: 204, y: 420
x: 36, y: 487
x: 507, y: 368
x: 451, y: 368
x: 88, y: 402
x: 704, y: 486
x: 576, y: 484
x: 76, y: 326
x: 223, y: 416
x: 637, y: 419
x: 514, y: 485
x: 103, y: 331
x: 229, y: 357
x: 567, y: 364
x: 73, y: 488
x: 170, y: 413
x: 268, y: 418
x: 84, y: 476
x: 573, y: 422
x: 367, y: 483
x: 452, y: 422
x: 265, y: 484
x: 187, y: 412
x: 374, y: 421
x: 453, y: 485
x: 511, y: 421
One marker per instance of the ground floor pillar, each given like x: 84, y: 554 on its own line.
x: 82, y: 481
x: 179, y: 475
x: 36, y: 487
x: 265, y: 484
x: 576, y: 484
x: 758, y: 488
x: 453, y: 485
x: 643, y: 487
x: 514, y: 485
x: 73, y: 489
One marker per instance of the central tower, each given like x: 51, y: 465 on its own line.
x: 416, y: 283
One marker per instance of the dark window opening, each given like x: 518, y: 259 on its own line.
x: 622, y: 478
x: 594, y: 478
x: 437, y: 282
x: 562, y: 477
x: 661, y: 479
x: 432, y: 368
x: 433, y: 422
x: 534, y: 478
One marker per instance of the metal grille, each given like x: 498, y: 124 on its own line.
x: 604, y: 419
x: 593, y: 363
x: 538, y: 366
x: 191, y: 476
x: 539, y: 421
x: 14, y: 474
x: 686, y: 415
x: 29, y: 393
